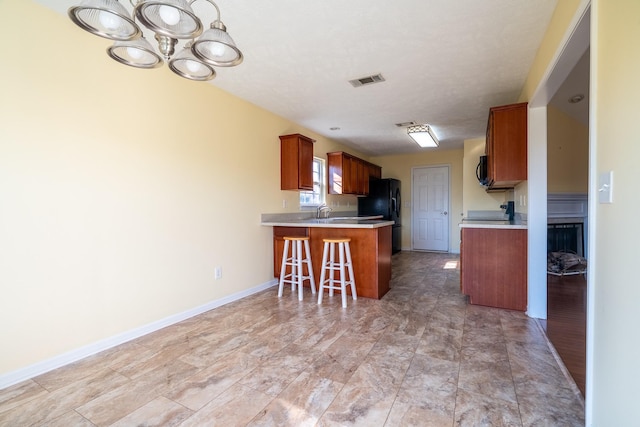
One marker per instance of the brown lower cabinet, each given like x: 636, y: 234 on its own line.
x: 370, y: 254
x: 493, y: 267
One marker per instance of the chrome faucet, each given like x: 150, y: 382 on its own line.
x: 323, y: 208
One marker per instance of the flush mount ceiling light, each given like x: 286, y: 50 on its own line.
x: 423, y: 135
x: 170, y: 21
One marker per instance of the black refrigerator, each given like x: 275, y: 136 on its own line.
x: 384, y: 199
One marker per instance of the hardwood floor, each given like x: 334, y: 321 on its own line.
x: 566, y: 322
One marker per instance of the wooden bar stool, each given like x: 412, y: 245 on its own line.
x: 330, y: 265
x: 296, y: 260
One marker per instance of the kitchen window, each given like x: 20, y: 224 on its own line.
x: 317, y: 196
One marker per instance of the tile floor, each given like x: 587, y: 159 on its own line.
x: 421, y: 356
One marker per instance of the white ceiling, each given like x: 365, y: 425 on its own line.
x: 445, y: 63
x: 576, y: 83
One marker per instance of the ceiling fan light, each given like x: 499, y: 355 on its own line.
x: 105, y: 18
x: 423, y: 135
x: 135, y: 53
x: 172, y: 18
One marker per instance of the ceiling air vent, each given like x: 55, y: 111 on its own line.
x: 405, y: 124
x: 362, y: 81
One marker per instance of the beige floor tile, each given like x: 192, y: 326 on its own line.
x: 473, y: 410
x: 487, y: 378
x: 160, y: 412
x: 441, y: 343
x: 20, y: 394
x: 343, y: 357
x: 404, y: 414
x: 149, y: 362
x: 71, y: 418
x: 199, y: 389
x: 544, y: 404
x: 63, y: 400
x: 357, y: 405
x: 276, y: 373
x: 236, y: 407
x: 301, y: 403
x: 120, y: 401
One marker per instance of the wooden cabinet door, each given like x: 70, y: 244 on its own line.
x: 506, y: 146
x: 494, y: 267
x: 349, y: 174
x: 335, y: 175
x: 305, y: 167
x: 363, y: 178
x: 375, y: 171
x: 296, y: 162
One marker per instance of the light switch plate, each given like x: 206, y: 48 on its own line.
x: 605, y: 187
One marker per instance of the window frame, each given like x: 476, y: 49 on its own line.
x: 320, y: 197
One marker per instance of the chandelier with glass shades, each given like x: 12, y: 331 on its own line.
x: 170, y: 21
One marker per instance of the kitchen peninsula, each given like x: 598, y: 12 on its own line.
x: 370, y: 246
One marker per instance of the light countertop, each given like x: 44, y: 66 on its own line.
x: 476, y: 223
x: 340, y: 222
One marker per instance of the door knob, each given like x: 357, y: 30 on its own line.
x: 445, y: 213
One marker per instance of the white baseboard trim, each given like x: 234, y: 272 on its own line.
x: 455, y: 252
x: 40, y: 368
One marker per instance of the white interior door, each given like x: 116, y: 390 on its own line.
x: 430, y: 226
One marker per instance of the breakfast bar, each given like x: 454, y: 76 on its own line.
x: 370, y: 247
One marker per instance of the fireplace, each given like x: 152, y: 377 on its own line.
x: 567, y: 217
x: 565, y: 237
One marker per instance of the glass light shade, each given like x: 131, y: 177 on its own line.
x: 216, y: 47
x: 188, y: 66
x: 135, y: 53
x: 105, y: 18
x: 423, y: 135
x: 172, y: 18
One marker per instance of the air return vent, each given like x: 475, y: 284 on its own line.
x: 362, y: 81
x: 405, y: 124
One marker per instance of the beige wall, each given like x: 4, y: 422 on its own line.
x: 567, y: 153
x: 121, y: 190
x: 615, y: 292
x: 562, y: 16
x: 400, y: 166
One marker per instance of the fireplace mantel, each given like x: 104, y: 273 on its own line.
x: 573, y: 206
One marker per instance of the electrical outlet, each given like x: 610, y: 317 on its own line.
x: 284, y: 203
x: 218, y: 273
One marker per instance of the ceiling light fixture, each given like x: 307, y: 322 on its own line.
x: 423, y: 135
x: 169, y: 20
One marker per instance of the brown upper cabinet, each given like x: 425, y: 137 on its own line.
x: 506, y: 147
x: 296, y: 162
x: 349, y: 174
